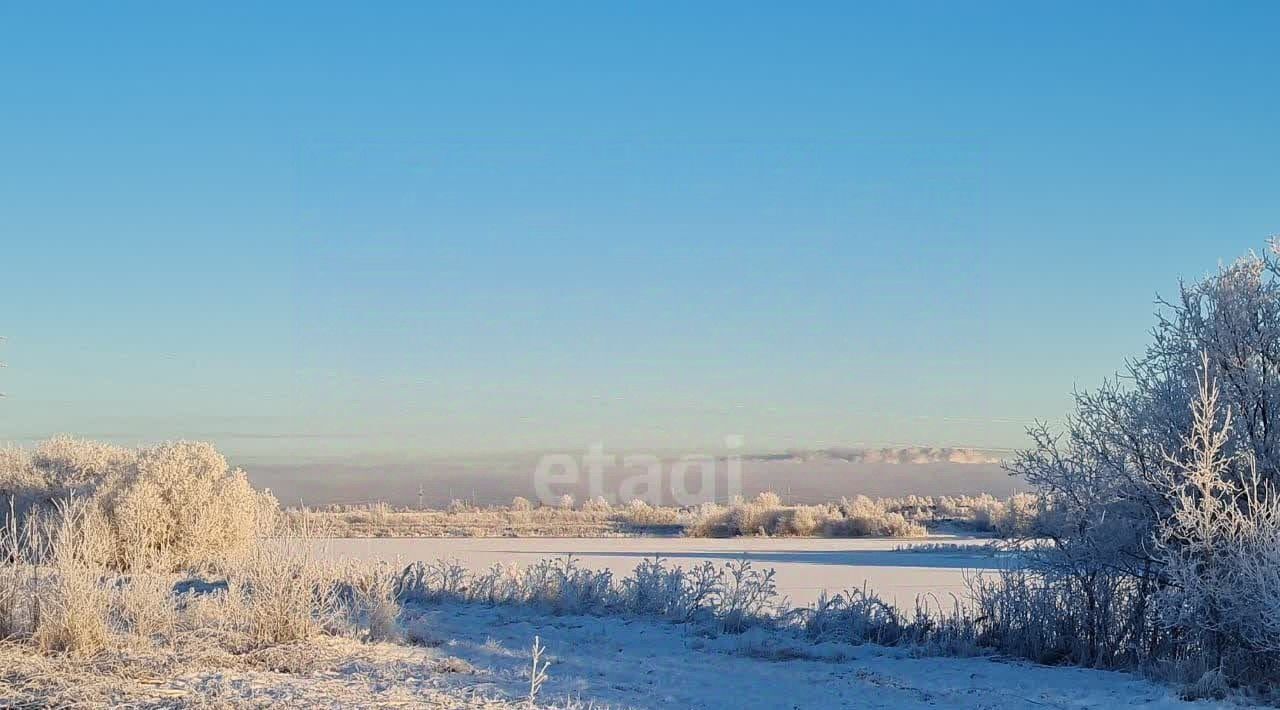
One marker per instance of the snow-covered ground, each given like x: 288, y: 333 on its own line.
x: 456, y: 654
x: 478, y: 656
x: 804, y: 566
x: 627, y: 663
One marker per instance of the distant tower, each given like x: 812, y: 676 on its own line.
x: 421, y: 493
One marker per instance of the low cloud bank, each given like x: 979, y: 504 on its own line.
x: 889, y: 455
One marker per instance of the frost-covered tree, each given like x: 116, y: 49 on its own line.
x: 1106, y: 476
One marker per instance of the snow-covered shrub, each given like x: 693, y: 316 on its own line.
x: 57, y: 595
x: 22, y: 484
x: 1052, y: 616
x: 864, y: 517
x: 71, y: 614
x: 733, y: 596
x: 768, y: 499
x: 367, y: 595
x: 730, y: 598
x: 521, y: 504
x: 804, y: 522
x: 183, y: 501
x: 1022, y: 515
x: 760, y: 516
x: 638, y: 512
x: 1016, y: 516
x: 458, y: 507
x: 79, y: 466
x: 745, y: 595
x: 669, y: 592
x: 280, y: 592
x: 145, y: 605
x: 767, y: 515
x: 1220, y: 551
x: 596, y: 505
x: 851, y: 617
x: 177, y: 501
x: 986, y: 512
x: 861, y: 516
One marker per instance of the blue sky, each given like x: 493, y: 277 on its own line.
x: 402, y: 229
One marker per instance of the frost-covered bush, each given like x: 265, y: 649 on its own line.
x: 58, y: 594
x: 638, y: 512
x: 80, y: 466
x: 367, y: 598
x: 745, y: 595
x: 1220, y: 552
x: 986, y: 512
x: 1057, y: 616
x: 179, y: 503
x: 181, y: 500
x: 280, y: 593
x: 804, y: 522
x: 669, y: 592
x: 860, y: 616
x: 853, y: 616
x: 767, y: 515
x: 733, y: 596
x: 1022, y: 515
x: 1016, y: 516
x: 763, y: 515
x: 597, y: 505
x: 70, y: 609
x: 521, y: 504
x: 456, y: 507
x: 863, y: 517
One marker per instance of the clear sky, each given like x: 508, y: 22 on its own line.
x: 379, y: 229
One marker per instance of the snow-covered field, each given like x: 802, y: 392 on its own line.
x: 627, y: 663
x: 478, y: 656
x: 449, y: 652
x: 804, y: 566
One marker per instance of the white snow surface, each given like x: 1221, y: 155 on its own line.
x: 624, y: 662
x: 633, y: 663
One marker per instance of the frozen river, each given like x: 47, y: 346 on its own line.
x: 805, y: 566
